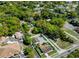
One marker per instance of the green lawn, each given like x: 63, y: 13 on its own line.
x: 63, y: 44
x: 35, y: 53
x: 38, y: 50
x: 3, y: 44
x: 74, y: 54
x: 72, y: 32
x: 51, y: 53
x: 43, y: 55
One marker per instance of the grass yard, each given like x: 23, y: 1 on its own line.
x: 63, y: 44
x: 43, y: 55
x: 51, y: 52
x: 37, y: 49
x: 35, y: 52
x: 3, y: 44
x: 74, y: 54
x: 72, y: 32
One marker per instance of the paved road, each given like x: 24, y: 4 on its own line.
x: 47, y: 55
x: 67, y: 51
x: 75, y: 46
x: 68, y: 26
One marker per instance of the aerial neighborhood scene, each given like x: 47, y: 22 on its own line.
x: 39, y: 29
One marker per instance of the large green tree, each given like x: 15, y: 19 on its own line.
x: 29, y: 52
x: 51, y: 30
x: 57, y: 21
x: 9, y: 25
x: 27, y: 39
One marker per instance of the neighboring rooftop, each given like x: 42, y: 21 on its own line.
x: 2, y: 39
x: 9, y: 50
x: 39, y: 39
x: 68, y: 26
x: 18, y: 35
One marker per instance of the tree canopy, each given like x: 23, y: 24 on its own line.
x: 58, y: 21
x: 9, y: 26
x: 29, y: 52
x: 51, y: 30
